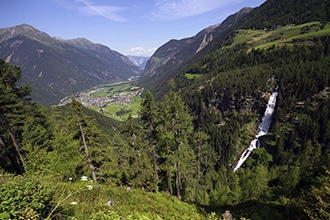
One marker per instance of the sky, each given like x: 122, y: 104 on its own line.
x: 130, y: 27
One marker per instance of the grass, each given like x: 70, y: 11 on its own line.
x: 132, y: 108
x: 122, y: 99
x: 192, y: 76
x: 128, y: 204
x: 286, y: 35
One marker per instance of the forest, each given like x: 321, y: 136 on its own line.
x: 176, y: 160
x: 184, y: 145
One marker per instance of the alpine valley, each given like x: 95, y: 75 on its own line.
x: 56, y: 68
x: 233, y: 123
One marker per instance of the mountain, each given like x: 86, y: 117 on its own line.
x: 175, y: 53
x: 139, y: 61
x: 172, y: 58
x: 274, y: 12
x: 56, y: 68
x: 188, y: 144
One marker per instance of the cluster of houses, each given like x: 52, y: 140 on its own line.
x: 88, y: 100
x: 122, y: 98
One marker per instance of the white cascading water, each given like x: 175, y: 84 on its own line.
x: 262, y: 129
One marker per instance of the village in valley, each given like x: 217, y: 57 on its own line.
x: 113, y: 100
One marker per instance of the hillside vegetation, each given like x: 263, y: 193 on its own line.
x: 288, y: 35
x: 176, y: 160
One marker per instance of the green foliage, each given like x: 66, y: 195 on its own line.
x: 317, y: 199
x: 186, y: 144
x: 280, y: 12
x: 105, y: 215
x: 288, y: 35
x: 25, y: 197
x: 12, y: 113
x: 76, y: 199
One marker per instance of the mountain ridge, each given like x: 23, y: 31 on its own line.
x: 175, y: 53
x: 56, y: 67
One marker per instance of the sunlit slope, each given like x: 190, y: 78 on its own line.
x: 286, y: 35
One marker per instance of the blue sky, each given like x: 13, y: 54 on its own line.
x: 131, y: 27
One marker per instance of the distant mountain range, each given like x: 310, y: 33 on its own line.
x: 56, y: 68
x: 139, y: 61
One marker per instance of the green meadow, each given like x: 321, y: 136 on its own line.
x: 119, y: 99
x: 286, y: 35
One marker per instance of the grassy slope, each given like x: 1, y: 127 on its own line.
x: 128, y: 204
x: 286, y: 35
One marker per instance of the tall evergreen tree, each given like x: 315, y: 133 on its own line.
x: 205, y: 161
x: 90, y: 138
x: 12, y: 113
x: 175, y: 128
x: 36, y: 138
x: 139, y: 172
x: 148, y: 114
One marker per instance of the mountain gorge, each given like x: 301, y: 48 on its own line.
x: 56, y: 68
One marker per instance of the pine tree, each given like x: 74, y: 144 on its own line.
x: 36, y: 138
x: 139, y: 172
x: 205, y: 161
x: 90, y: 138
x: 65, y: 155
x: 175, y: 128
x: 12, y: 113
x: 148, y: 114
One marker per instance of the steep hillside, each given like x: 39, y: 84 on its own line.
x: 56, y: 68
x: 269, y: 16
x: 227, y: 90
x: 175, y: 53
x: 282, y: 12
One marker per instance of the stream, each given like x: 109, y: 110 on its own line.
x: 262, y: 129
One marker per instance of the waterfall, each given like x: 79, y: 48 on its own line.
x: 262, y: 129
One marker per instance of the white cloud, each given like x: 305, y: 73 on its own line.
x: 89, y: 8
x: 140, y: 51
x: 137, y: 49
x: 177, y: 9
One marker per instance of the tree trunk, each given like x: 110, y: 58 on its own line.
x: 168, y: 172
x: 155, y: 166
x: 198, y: 172
x: 87, y: 154
x: 178, y: 174
x: 204, y: 189
x: 17, y: 147
x: 2, y: 144
x: 178, y: 180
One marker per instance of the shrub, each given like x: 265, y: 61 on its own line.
x: 24, y: 198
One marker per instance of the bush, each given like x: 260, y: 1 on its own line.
x: 24, y: 198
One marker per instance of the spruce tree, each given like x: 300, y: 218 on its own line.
x: 175, y: 128
x: 12, y: 113
x: 90, y: 138
x: 148, y: 114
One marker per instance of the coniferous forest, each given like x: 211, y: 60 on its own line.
x: 176, y: 160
